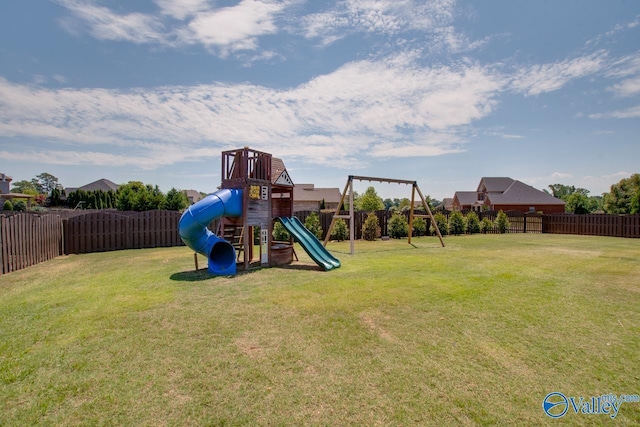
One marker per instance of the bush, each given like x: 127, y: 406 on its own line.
x: 20, y: 206
x: 486, y: 225
x: 280, y: 234
x: 340, y: 231
x: 473, y: 223
x: 7, y: 206
x: 456, y: 223
x: 370, y: 228
x: 313, y: 225
x: 441, y: 223
x: 398, y: 226
x: 419, y: 227
x: 502, y: 222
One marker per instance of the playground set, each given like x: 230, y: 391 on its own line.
x: 256, y: 191
x: 348, y: 189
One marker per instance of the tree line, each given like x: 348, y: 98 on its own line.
x: 623, y: 197
x: 133, y: 196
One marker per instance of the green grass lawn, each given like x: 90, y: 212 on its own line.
x: 476, y: 333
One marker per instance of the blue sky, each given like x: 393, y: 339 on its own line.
x: 443, y: 92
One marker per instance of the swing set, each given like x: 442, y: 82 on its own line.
x: 412, y: 215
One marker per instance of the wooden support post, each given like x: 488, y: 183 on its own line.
x: 195, y: 259
x: 352, y: 219
x: 411, y: 213
x: 337, y: 215
x: 433, y: 220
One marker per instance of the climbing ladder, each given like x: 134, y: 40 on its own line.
x: 234, y: 234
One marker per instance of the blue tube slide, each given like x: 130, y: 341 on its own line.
x: 195, y: 234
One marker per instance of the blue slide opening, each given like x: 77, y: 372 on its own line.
x: 194, y: 233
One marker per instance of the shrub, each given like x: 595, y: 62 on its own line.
x: 370, y: 228
x: 398, y: 226
x: 7, y: 206
x: 280, y: 234
x: 313, y: 225
x: 502, y: 222
x: 340, y: 231
x: 20, y: 206
x: 419, y: 227
x: 473, y: 223
x: 441, y: 223
x: 456, y: 223
x: 486, y: 225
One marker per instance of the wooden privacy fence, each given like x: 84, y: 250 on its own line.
x: 593, y: 225
x: 112, y: 230
x: 27, y: 239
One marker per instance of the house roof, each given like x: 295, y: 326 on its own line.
x: 466, y: 197
x: 494, y: 184
x: 101, y: 184
x: 447, y: 202
x: 519, y: 193
x: 5, y: 177
x: 308, y: 193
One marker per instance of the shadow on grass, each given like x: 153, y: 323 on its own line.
x: 382, y: 249
x: 203, y: 273
x: 192, y: 276
x: 302, y: 267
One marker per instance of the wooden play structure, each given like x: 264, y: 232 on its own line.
x: 267, y: 194
x: 412, y: 215
x: 256, y: 191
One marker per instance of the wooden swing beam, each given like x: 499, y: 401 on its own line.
x: 351, y: 217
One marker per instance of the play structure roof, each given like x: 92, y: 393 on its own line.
x: 279, y: 174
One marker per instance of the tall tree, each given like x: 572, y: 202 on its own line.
x: 45, y: 182
x: 369, y: 201
x: 624, y: 197
x: 176, y: 200
x: 24, y: 187
x: 577, y: 200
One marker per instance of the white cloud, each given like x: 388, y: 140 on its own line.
x: 182, y: 22
x: 233, y: 28
x: 389, y: 18
x: 628, y: 87
x: 391, y: 108
x: 104, y: 24
x: 182, y: 9
x: 537, y: 79
x: 627, y: 113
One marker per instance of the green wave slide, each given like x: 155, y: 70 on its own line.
x: 310, y: 243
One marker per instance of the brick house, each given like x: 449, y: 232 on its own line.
x: 308, y: 198
x: 502, y: 193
